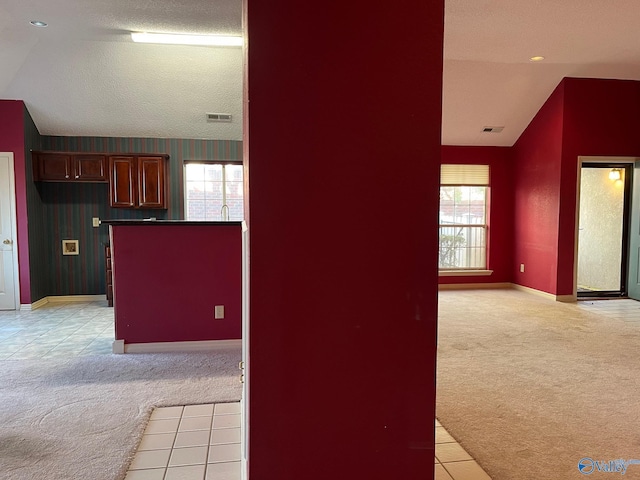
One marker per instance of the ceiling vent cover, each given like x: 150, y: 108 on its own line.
x: 218, y: 117
x: 492, y: 129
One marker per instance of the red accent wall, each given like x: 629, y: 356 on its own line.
x: 343, y: 233
x: 537, y: 157
x: 12, y: 139
x: 601, y: 118
x: 499, y: 211
x: 169, y: 278
x: 583, y: 117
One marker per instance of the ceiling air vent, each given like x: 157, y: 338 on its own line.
x: 492, y: 129
x: 218, y: 117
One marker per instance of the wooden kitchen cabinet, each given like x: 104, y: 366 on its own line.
x: 91, y: 168
x: 69, y: 167
x: 138, y: 181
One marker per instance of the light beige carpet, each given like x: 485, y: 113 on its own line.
x: 530, y: 386
x: 83, y: 418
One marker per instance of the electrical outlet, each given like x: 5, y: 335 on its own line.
x: 96, y: 221
x: 522, y: 267
x: 218, y: 312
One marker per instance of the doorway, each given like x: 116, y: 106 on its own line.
x: 603, y: 230
x: 8, y: 246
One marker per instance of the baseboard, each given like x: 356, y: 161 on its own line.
x: 566, y: 298
x: 76, y: 298
x: 166, y: 347
x: 473, y: 286
x: 34, y: 305
x: 550, y: 296
x: 62, y: 299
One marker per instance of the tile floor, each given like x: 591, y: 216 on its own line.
x: 197, y: 442
x: 193, y: 442
x: 622, y: 309
x: 57, y: 330
x: 452, y: 461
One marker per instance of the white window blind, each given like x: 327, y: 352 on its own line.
x: 464, y: 175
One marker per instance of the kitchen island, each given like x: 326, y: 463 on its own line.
x: 171, y: 279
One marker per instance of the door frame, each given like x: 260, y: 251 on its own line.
x: 599, y: 159
x: 14, y: 227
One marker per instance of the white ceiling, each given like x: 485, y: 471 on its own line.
x: 82, y: 75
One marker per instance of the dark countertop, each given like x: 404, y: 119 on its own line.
x: 137, y: 222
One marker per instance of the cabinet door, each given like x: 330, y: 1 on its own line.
x: 90, y: 168
x: 151, y: 182
x: 122, y: 181
x: 53, y: 167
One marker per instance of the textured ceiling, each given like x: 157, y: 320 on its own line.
x: 82, y: 75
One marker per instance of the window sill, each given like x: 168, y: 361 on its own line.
x: 464, y: 273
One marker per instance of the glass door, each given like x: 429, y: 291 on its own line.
x: 603, y: 229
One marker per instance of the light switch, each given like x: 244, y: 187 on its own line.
x: 218, y: 312
x: 96, y: 222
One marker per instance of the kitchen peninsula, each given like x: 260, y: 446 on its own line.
x: 171, y: 279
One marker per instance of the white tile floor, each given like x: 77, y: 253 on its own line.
x: 57, y: 330
x: 192, y: 442
x: 452, y: 461
x: 199, y: 441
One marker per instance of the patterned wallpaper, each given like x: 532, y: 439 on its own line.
x: 39, y: 261
x: 66, y: 210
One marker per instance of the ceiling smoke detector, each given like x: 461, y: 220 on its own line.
x: 218, y: 117
x: 492, y: 129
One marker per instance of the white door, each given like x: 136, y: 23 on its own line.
x: 8, y: 260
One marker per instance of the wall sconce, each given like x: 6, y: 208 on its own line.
x: 615, y: 174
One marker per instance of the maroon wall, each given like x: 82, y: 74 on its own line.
x: 499, y: 211
x: 343, y: 234
x: 168, y: 278
x: 601, y: 118
x: 537, y: 157
x: 12, y: 139
x: 583, y: 117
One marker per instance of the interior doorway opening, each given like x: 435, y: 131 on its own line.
x: 603, y: 230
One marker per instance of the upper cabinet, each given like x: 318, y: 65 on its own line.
x: 135, y: 180
x: 138, y: 181
x: 69, y: 167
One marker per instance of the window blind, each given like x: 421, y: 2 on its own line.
x: 464, y: 175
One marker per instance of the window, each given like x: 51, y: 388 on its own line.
x: 213, y: 192
x: 463, y: 217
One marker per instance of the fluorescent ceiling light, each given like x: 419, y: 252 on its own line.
x: 210, y: 40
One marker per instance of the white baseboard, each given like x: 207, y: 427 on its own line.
x: 76, y: 298
x: 34, y: 305
x: 566, y: 298
x: 550, y: 296
x: 165, y: 347
x: 62, y: 299
x: 472, y: 286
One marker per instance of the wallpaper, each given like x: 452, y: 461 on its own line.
x: 39, y: 265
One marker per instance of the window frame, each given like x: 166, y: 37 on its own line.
x: 477, y: 178
x: 223, y: 163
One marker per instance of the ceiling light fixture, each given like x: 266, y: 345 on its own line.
x: 536, y: 59
x: 175, y: 39
x: 38, y: 23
